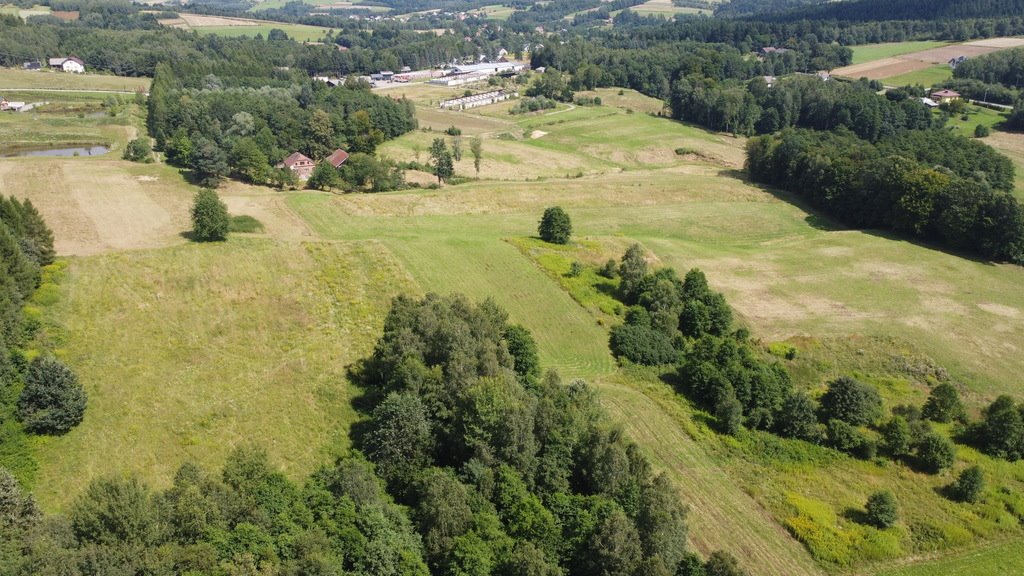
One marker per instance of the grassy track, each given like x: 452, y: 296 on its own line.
x: 997, y: 560
x: 189, y: 351
x: 466, y: 254
x: 722, y: 514
x: 927, y: 77
x: 870, y: 52
x: 13, y: 78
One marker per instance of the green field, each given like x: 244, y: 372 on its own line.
x: 25, y: 13
x: 334, y: 4
x: 927, y: 77
x: 997, y: 560
x: 869, y: 52
x: 297, y: 32
x: 666, y: 8
x: 496, y: 11
x: 976, y: 115
x: 247, y: 341
x: 16, y: 78
x: 70, y: 119
x: 187, y: 350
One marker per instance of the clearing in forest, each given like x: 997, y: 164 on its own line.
x: 883, y: 62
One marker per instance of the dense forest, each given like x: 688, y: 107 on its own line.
x: 653, y: 70
x: 756, y: 108
x: 868, y: 10
x: 221, y: 119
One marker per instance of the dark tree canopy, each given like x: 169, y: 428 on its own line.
x: 851, y: 401
x: 52, y: 401
x: 555, y: 226
x: 943, y: 404
x: 210, y: 220
x: 882, y: 510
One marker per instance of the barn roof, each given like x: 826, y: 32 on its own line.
x: 338, y: 157
x: 294, y: 158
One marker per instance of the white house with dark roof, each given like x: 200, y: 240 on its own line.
x: 71, y: 64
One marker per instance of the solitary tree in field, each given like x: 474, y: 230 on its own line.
x: 555, y: 226
x: 209, y: 217
x: 52, y: 401
x: 881, y: 509
x: 476, y: 148
x: 443, y: 166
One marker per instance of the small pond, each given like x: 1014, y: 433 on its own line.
x: 79, y: 151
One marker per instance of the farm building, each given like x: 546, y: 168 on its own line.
x: 943, y: 96
x: 300, y: 164
x: 70, y: 64
x: 489, y: 68
x: 465, y: 73
x: 337, y: 158
x: 467, y: 102
x: 32, y: 66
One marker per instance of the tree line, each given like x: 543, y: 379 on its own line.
x: 38, y: 394
x: 755, y: 107
x: 869, y: 10
x: 219, y: 120
x: 136, y: 44
x: 653, y: 70
x: 946, y: 189
x: 1005, y: 67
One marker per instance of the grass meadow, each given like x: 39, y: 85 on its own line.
x: 12, y: 79
x: 927, y: 77
x: 870, y: 52
x: 187, y: 350
x: 191, y: 350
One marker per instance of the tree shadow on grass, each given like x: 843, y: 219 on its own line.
x: 697, y: 413
x: 857, y: 515
x: 361, y: 377
x: 822, y: 221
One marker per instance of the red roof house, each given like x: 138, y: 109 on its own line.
x: 945, y: 95
x: 338, y: 158
x: 299, y: 163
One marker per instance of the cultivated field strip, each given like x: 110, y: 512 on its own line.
x: 722, y: 516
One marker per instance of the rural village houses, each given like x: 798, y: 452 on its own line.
x: 303, y: 165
